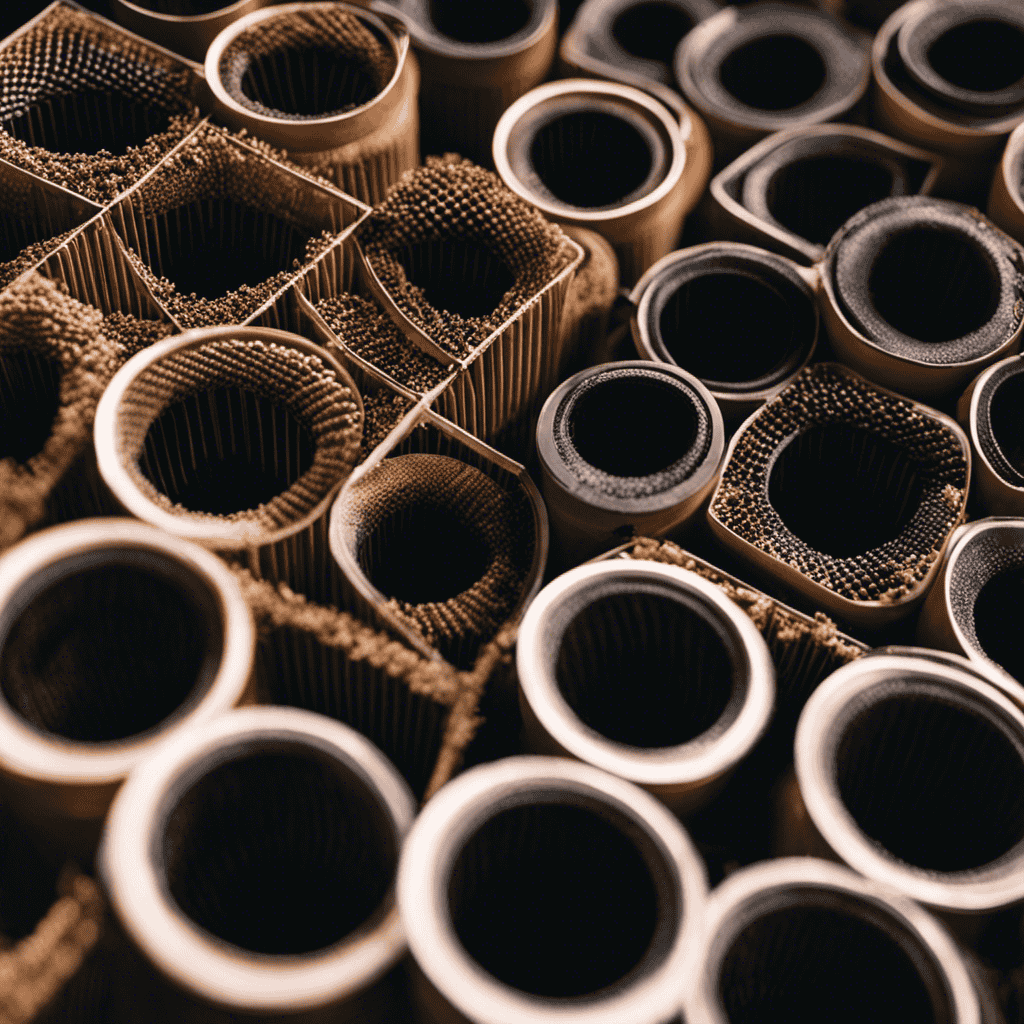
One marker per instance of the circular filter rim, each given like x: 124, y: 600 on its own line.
x: 850, y: 690
x: 197, y: 21
x: 454, y: 815
x: 983, y: 440
x: 687, y: 764
x: 543, y: 20
x: 199, y: 963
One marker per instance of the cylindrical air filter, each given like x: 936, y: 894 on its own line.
x: 974, y: 606
x: 948, y: 76
x: 476, y: 59
x: 911, y: 771
x: 845, y: 492
x: 991, y: 410
x: 602, y: 156
x: 624, y: 448
x: 332, y: 84
x: 743, y: 321
x: 921, y: 293
x: 1005, y: 198
x: 238, y: 438
x: 113, y: 635
x: 793, y: 190
x: 646, y: 671
x: 803, y: 939
x: 595, y: 289
x: 539, y: 889
x: 758, y: 69
x: 252, y: 864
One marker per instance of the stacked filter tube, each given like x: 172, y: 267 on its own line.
x: 371, y: 415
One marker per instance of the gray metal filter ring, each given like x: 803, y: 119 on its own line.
x: 212, y: 970
x: 791, y: 883
x: 836, y: 705
x: 678, y: 774
x: 651, y: 993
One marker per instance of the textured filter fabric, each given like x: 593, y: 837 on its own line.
x: 71, y: 73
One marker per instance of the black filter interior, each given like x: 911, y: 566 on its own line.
x: 651, y: 30
x: 984, y: 55
x: 590, y: 158
x: 815, y: 196
x: 632, y: 426
x: 469, y: 21
x: 803, y: 963
x: 213, y: 246
x: 773, y: 72
x: 225, y: 450
x: 29, y: 400
x: 731, y: 326
x: 997, y: 611
x: 279, y: 852
x: 459, y: 275
x: 109, y: 651
x: 86, y: 121
x: 1006, y: 418
x: 935, y: 784
x: 844, y: 490
x: 554, y: 900
x: 934, y: 284
x: 646, y: 670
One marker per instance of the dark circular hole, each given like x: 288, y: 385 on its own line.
x: 997, y: 611
x: 469, y: 21
x: 184, y: 8
x: 424, y: 553
x: 87, y: 121
x: 645, y: 670
x: 933, y: 284
x: 29, y: 400
x: 651, y: 30
x: 309, y: 81
x: 632, y: 426
x: 1006, y: 418
x: 814, y: 197
x: 279, y: 852
x: 983, y: 56
x: 815, y: 963
x: 213, y: 246
x: 458, y: 275
x: 553, y: 900
x: 936, y: 785
x: 109, y: 651
x: 844, y: 490
x: 774, y: 72
x: 225, y: 450
x: 590, y: 158
x: 730, y: 326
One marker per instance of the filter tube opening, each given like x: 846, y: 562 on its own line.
x: 996, y: 619
x: 984, y: 55
x: 556, y: 900
x: 937, y: 784
x: 843, y: 489
x: 1006, y: 419
x: 468, y: 21
x: 29, y: 401
x: 100, y: 650
x: 279, y: 851
x: 651, y: 30
x: 773, y: 72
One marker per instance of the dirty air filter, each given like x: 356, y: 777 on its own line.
x: 645, y: 671
x: 1005, y: 199
x: 330, y: 83
x: 476, y: 59
x: 741, y: 320
x: 794, y: 190
x: 88, y: 106
x: 799, y: 939
x: 237, y: 438
x: 759, y: 69
x: 253, y: 865
x: 921, y: 293
x: 113, y: 635
x: 846, y: 492
x: 539, y: 889
x: 911, y: 770
x: 626, y: 448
